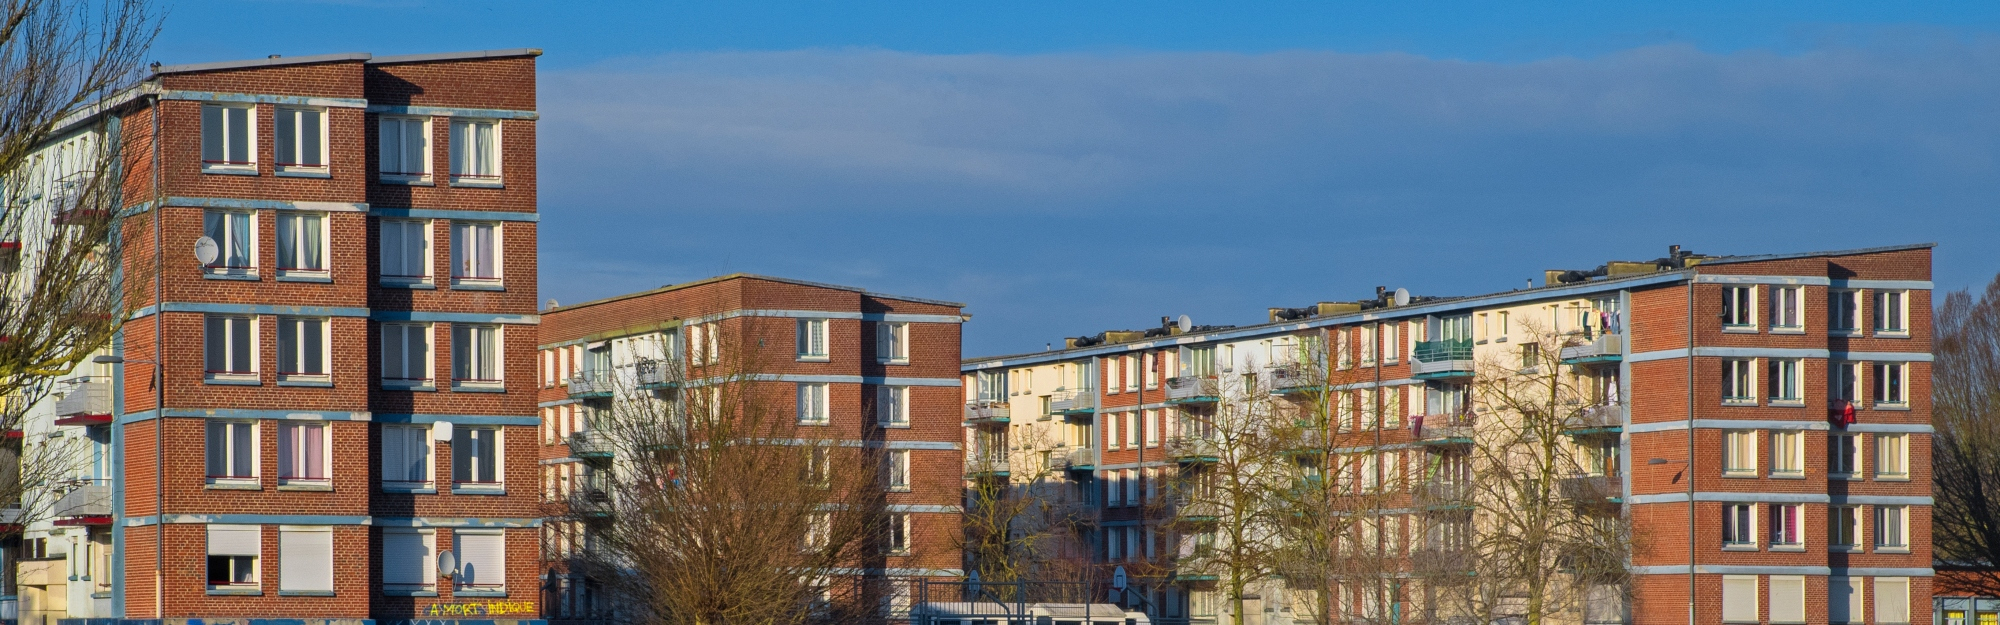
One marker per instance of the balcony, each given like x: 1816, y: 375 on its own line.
x: 1591, y: 489
x: 1193, y: 450
x: 1192, y: 389
x: 986, y: 411
x: 1440, y: 561
x: 590, y: 385
x: 1440, y: 495
x: 1442, y: 429
x: 89, y: 403
x: 89, y: 503
x: 985, y: 467
x: 1292, y: 378
x: 1198, y: 512
x: 590, y: 444
x: 591, y: 502
x: 1598, y: 419
x: 1078, y: 459
x: 1306, y: 443
x: 1077, y: 403
x: 656, y: 375
x: 1441, y: 359
x: 1606, y: 348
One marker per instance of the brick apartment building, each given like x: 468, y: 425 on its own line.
x: 348, y: 384
x: 1793, y: 389
x: 879, y: 370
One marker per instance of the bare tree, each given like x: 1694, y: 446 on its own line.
x: 1965, y: 395
x: 1025, y: 524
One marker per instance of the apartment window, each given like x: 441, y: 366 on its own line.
x: 1843, y: 603
x: 548, y: 368
x: 812, y: 403
x: 475, y: 254
x: 1739, y: 453
x: 233, y: 552
x: 1739, y: 381
x: 1785, y: 526
x: 1788, y: 599
x: 1131, y: 482
x: 1892, y: 456
x: 230, y: 345
x: 301, y: 139
x: 1892, y: 313
x: 1343, y: 356
x: 1891, y: 528
x: 1890, y: 382
x: 228, y: 139
x: 1788, y: 450
x: 406, y: 454
x: 1131, y: 432
x: 899, y: 470
x: 482, y: 561
x: 305, y: 560
x: 812, y: 339
x: 1739, y: 308
x: 406, y: 251
x: 235, y: 236
x: 1784, y: 375
x: 409, y: 560
x: 302, y: 353
x: 892, y: 406
x: 1846, y: 382
x: 1502, y: 327
x: 1786, y: 304
x: 1114, y: 492
x: 892, y: 343
x: 406, y: 355
x: 405, y: 149
x: 1892, y: 600
x: 899, y: 533
x: 1129, y: 365
x: 1844, y: 311
x: 232, y: 451
x: 475, y: 152
x: 1390, y: 345
x: 1739, y: 599
x: 302, y: 453
x: 1739, y: 525
x: 1843, y: 456
x: 301, y: 245
x: 1369, y: 411
x: 1367, y: 346
x: 1531, y: 355
x: 1151, y: 420
x: 1843, y: 527
x: 475, y: 456
x: 475, y: 356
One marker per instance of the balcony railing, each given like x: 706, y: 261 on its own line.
x: 88, y: 504
x: 655, y: 374
x: 1198, y: 511
x: 986, y: 411
x: 591, y: 502
x: 1192, y: 389
x: 1192, y: 449
x: 1440, y: 560
x: 1601, y: 418
x: 89, y: 403
x: 1076, y: 402
x: 1603, y: 349
x: 1291, y: 378
x: 1082, y: 459
x: 590, y: 385
x: 590, y: 444
x: 986, y: 466
x: 1442, y: 429
x: 1590, y: 488
x: 1442, y: 494
x: 1441, y: 359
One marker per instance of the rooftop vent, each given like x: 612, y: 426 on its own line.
x: 1676, y: 258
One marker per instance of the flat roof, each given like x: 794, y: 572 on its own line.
x: 735, y: 276
x: 276, y: 60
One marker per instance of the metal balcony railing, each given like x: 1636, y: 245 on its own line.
x: 1442, y: 494
x: 590, y: 444
x: 591, y: 502
x: 986, y: 466
x: 987, y: 411
x: 1073, y: 402
x: 1590, y: 488
x: 1291, y: 378
x: 90, y: 499
x: 655, y: 374
x: 590, y: 384
x: 1441, y: 359
x: 1605, y: 348
x: 1188, y: 389
x: 1193, y: 449
x: 88, y: 403
x: 1607, y: 418
x: 1440, y: 560
x: 1442, y: 428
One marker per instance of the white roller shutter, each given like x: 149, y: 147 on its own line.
x: 1843, y: 603
x: 235, y: 540
x: 407, y: 558
x: 1739, y: 599
x: 482, y: 560
x: 1788, y: 599
x: 305, y: 558
x: 1892, y: 600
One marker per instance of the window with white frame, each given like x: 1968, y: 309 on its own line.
x: 1739, y: 525
x: 892, y: 343
x: 1843, y: 527
x: 1843, y: 311
x: 1846, y: 382
x: 406, y: 355
x: 1892, y: 600
x: 475, y: 253
x: 1151, y: 424
x: 1892, y: 456
x: 1892, y: 528
x: 300, y: 135
x: 475, y: 356
x: 305, y: 559
x: 899, y: 533
x: 1788, y: 450
x: 406, y: 251
x: 1892, y: 312
x: 892, y: 406
x: 1368, y: 346
x: 1739, y: 308
x: 1131, y: 481
x: 1786, y: 523
x: 302, y: 349
x: 1784, y: 379
x: 1739, y: 599
x: 812, y: 403
x: 1131, y: 430
x: 812, y: 339
x: 229, y: 344
x: 1130, y: 365
x: 235, y: 236
x: 409, y: 560
x: 819, y: 530
x: 228, y: 138
x: 1739, y: 453
x: 405, y: 149
x: 475, y: 152
x: 1343, y: 357
x: 1843, y: 604
x: 548, y: 368
x: 482, y: 561
x: 406, y: 455
x: 301, y: 245
x: 1114, y: 491
x: 302, y: 453
x: 899, y: 470
x: 1390, y: 344
x: 233, y: 552
x: 475, y: 457
x: 1788, y: 599
x: 1787, y: 309
x: 232, y: 451
x: 1890, y: 383
x: 1843, y: 456
x: 1739, y: 381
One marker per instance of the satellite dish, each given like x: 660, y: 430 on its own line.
x: 447, y: 565
x: 1184, y: 323
x: 206, y: 251
x: 1402, y: 296
x: 1118, y: 578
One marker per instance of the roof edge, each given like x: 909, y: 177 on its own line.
x: 750, y: 276
x: 264, y: 62
x: 1725, y: 260
x: 455, y: 56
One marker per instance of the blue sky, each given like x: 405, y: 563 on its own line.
x: 1066, y: 168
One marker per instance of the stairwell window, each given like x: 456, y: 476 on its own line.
x: 1892, y: 457
x: 1739, y: 309
x: 899, y: 470
x: 892, y: 343
x: 892, y: 406
x: 302, y: 246
x: 405, y: 150
x: 1892, y: 313
x: 898, y: 542
x: 1739, y: 453
x: 1844, y: 312
x: 300, y: 134
x: 812, y: 403
x: 475, y: 153
x: 228, y: 139
x: 1786, y: 521
x: 406, y: 356
x: 811, y: 338
x: 1843, y: 532
x: 233, y: 552
x: 475, y: 255
x: 1892, y: 529
x: 1891, y: 382
x: 232, y: 453
x: 475, y: 357
x: 235, y: 236
x: 1846, y: 383
x: 406, y: 457
x: 303, y: 449
x: 229, y: 344
x: 302, y: 351
x: 1739, y: 526
x: 476, y: 465
x: 1787, y: 309
x: 406, y: 252
x: 1739, y: 382
x: 1784, y: 379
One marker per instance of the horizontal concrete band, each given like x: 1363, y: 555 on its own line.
x: 262, y: 98
x: 328, y: 207
x: 1776, y: 424
x: 1838, y: 283
x: 336, y: 311
x: 831, y: 379
x: 1835, y: 571
x: 1779, y: 352
x: 314, y: 415
x: 448, y: 111
x: 1838, y: 500
x: 333, y: 519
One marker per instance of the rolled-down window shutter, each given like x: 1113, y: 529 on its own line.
x: 1843, y: 603
x: 1739, y: 599
x: 1892, y: 600
x: 1788, y: 599
x: 305, y: 559
x: 235, y: 540
x: 482, y: 560
x: 407, y: 558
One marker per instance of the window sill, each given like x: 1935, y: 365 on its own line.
x: 405, y: 181
x: 403, y: 284
x: 305, y: 593
x: 1788, y: 403
x: 246, y: 277
x: 1789, y: 548
x: 893, y: 426
x: 1743, y: 547
x: 1846, y: 333
x: 892, y: 361
x: 394, y: 386
x: 1500, y: 340
x: 1894, y: 550
x: 250, y: 484
x: 1842, y: 477
x: 808, y: 358
x: 1885, y: 334
x: 408, y: 592
x: 236, y: 592
x: 1788, y: 330
x: 899, y: 489
x: 1740, y: 402
x: 1897, y: 407
x: 481, y: 489
x: 302, y: 380
x: 477, y: 183
x: 477, y: 285
x: 1844, y: 548
x: 1729, y: 329
x: 317, y: 172
x: 822, y: 423
x: 1739, y: 475
x: 1893, y: 478
x: 321, y: 277
x: 230, y: 170
x: 478, y: 387
x: 468, y: 592
x: 324, y: 486
x: 233, y: 380
x: 409, y: 488
x: 1788, y: 476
